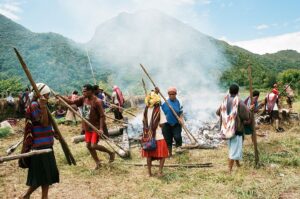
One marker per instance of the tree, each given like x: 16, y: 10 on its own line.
x: 12, y: 84
x: 290, y: 76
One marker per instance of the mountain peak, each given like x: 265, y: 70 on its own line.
x: 140, y: 23
x: 8, y: 25
x: 144, y: 13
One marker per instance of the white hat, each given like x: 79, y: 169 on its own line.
x: 43, y: 88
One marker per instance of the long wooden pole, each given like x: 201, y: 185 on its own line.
x: 190, y: 136
x: 192, y: 165
x: 64, y: 145
x: 144, y: 86
x: 115, y: 106
x: 121, y: 121
x: 24, y: 155
x: 286, y: 87
x: 13, y: 147
x: 90, y: 125
x: 95, y: 82
x: 254, y: 136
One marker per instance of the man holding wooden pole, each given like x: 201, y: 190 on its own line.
x: 92, y: 111
x: 172, y: 129
x: 175, y: 114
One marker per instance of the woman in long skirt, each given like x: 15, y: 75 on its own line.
x: 42, y: 169
x: 154, y: 119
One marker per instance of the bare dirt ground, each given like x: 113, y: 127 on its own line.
x: 278, y: 175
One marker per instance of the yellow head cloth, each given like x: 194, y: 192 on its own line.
x: 152, y: 99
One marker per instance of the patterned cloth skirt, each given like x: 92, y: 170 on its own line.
x: 160, y: 152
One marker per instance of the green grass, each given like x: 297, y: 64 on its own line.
x: 278, y: 172
x: 4, y: 132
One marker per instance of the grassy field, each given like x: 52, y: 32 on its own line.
x: 278, y: 174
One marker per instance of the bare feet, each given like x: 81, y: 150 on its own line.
x: 22, y: 197
x: 98, y: 165
x: 111, y: 157
x: 160, y: 175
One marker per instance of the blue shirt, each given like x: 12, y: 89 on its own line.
x: 101, y: 96
x: 168, y: 112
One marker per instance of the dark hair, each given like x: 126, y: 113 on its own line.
x: 255, y: 93
x: 75, y: 92
x: 88, y: 87
x: 96, y: 87
x: 233, y: 89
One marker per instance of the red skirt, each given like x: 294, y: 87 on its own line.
x: 161, y: 150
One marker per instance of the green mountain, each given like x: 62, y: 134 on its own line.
x: 51, y: 58
x: 120, y: 44
x: 265, y: 68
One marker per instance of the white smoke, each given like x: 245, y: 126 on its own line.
x: 174, y: 54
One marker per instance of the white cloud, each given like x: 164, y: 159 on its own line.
x: 272, y: 44
x: 224, y: 38
x: 11, y: 9
x: 261, y: 27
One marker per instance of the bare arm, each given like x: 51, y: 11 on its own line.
x: 102, y: 115
x: 44, y: 115
x: 77, y: 102
x: 39, y: 112
x: 218, y: 112
x: 244, y: 112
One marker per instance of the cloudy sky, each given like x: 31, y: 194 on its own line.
x: 260, y: 26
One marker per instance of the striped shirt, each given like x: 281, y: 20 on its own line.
x: 42, y: 135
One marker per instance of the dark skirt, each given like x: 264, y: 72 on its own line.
x: 248, y: 129
x: 42, y: 170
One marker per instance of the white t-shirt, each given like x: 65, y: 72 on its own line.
x: 10, y: 99
x: 272, y: 95
x: 30, y: 96
x: 114, y: 95
x: 163, y: 119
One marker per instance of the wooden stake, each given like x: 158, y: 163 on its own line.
x: 115, y: 106
x: 190, y: 136
x: 254, y: 137
x: 144, y: 86
x: 24, y: 155
x: 64, y: 145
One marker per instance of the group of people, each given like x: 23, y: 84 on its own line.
x: 42, y: 169
x: 158, y: 118
x: 160, y: 127
x: 237, y: 117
